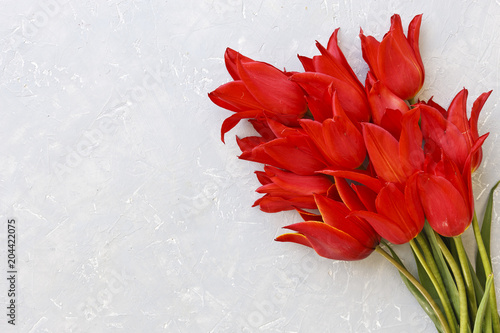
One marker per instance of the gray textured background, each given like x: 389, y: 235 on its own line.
x: 134, y: 217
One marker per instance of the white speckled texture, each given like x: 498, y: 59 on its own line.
x: 134, y: 217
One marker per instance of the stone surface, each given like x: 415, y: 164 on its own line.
x: 132, y: 216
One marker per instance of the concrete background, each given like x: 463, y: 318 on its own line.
x: 132, y: 216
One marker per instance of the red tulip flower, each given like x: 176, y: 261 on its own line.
x: 331, y: 72
x: 335, y: 235
x: 258, y: 90
x: 338, y: 139
x: 395, y: 161
x: 399, y: 216
x: 451, y: 131
x: 446, y: 196
x: 396, y: 61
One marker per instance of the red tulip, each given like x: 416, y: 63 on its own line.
x: 446, y: 196
x: 259, y: 90
x: 450, y: 129
x: 338, y: 139
x: 445, y: 191
x: 286, y: 190
x: 396, y: 61
x: 395, y: 161
x: 337, y: 235
x: 399, y: 217
x: 331, y: 72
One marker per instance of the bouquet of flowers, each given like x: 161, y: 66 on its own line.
x: 369, y: 166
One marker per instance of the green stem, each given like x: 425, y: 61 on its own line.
x: 440, y: 290
x: 464, y: 316
x: 429, y: 258
x: 469, y: 284
x: 411, y: 278
x: 487, y: 270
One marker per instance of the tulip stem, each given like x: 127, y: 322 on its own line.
x: 464, y: 263
x: 432, y: 276
x: 462, y: 294
x: 414, y: 281
x: 487, y: 271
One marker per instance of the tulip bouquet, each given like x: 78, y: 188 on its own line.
x: 370, y: 166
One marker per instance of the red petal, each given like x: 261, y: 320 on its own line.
x: 233, y: 120
x: 367, y: 196
x: 399, y: 67
x: 230, y: 57
x: 287, y: 154
x: 445, y: 208
x: 457, y: 112
x: 410, y: 143
x: 272, y: 88
x: 304, y: 185
x: 413, y: 38
x: 274, y: 204
x: 331, y: 243
x: 336, y: 67
x: 372, y: 183
x: 445, y: 134
x: 234, y: 96
x: 381, y: 99
x: 348, y: 195
x: 335, y: 214
x: 370, y: 47
x: 383, y: 150
x: 337, y: 54
x: 294, y: 238
x: 307, y: 63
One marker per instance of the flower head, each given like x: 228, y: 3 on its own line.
x: 396, y: 61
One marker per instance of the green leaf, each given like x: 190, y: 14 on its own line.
x: 449, y: 282
x: 483, y: 306
x: 485, y: 234
x: 417, y: 294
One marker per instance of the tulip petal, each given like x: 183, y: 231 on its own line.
x: 294, y: 238
x: 367, y: 196
x: 445, y: 134
x: 393, y: 222
x: 348, y: 195
x: 336, y: 67
x: 286, y: 154
x: 410, y: 143
x: 304, y: 185
x: 335, y: 214
x: 372, y: 183
x: 383, y: 150
x: 384, y: 226
x: 381, y: 99
x: 234, y: 119
x: 272, y: 88
x: 230, y: 57
x: 234, y: 96
x: 457, y: 112
x: 307, y: 63
x: 338, y: 140
x: 275, y: 204
x: 370, y: 47
x: 399, y: 68
x: 330, y: 242
x: 444, y: 207
x: 413, y: 38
